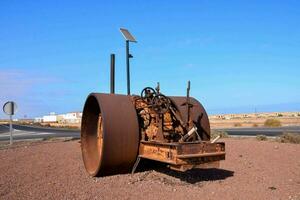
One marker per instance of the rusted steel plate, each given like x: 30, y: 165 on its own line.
x: 113, y: 147
x: 192, y: 154
x: 199, y: 155
x: 198, y: 115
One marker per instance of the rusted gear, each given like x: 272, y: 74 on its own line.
x: 148, y: 93
x: 160, y: 104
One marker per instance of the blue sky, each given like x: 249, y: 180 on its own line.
x: 239, y: 55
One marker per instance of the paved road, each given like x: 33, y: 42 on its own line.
x: 3, y: 128
x: 261, y: 131
x: 22, y: 132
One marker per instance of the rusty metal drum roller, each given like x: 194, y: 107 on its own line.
x: 198, y: 115
x: 118, y: 130
x: 109, y: 134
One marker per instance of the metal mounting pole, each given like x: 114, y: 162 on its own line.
x: 112, y: 73
x: 188, y: 104
x: 128, y: 67
x: 10, y: 130
x: 129, y: 38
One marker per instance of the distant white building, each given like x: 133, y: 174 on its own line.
x: 50, y: 118
x: 71, y: 117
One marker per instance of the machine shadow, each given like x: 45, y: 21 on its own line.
x: 192, y: 176
x: 198, y: 175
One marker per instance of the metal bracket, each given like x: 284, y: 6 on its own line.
x: 135, y: 165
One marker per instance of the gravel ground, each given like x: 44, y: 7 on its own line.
x: 54, y: 170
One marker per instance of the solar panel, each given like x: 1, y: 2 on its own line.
x: 127, y: 35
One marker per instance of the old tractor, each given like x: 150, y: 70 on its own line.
x: 119, y: 130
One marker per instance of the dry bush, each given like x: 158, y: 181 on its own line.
x: 272, y: 123
x: 255, y: 125
x: 261, y: 137
x: 238, y: 124
x: 49, y: 138
x: 290, y: 138
x: 70, y: 127
x: 216, y: 133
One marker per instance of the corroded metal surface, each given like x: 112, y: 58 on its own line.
x: 173, y: 120
x: 183, y: 156
x: 109, y: 134
x: 198, y: 115
x: 118, y: 130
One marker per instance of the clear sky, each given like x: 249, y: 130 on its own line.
x: 239, y: 55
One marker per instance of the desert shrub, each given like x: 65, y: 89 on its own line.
x: 290, y: 138
x: 216, y: 133
x: 71, y: 127
x: 280, y: 115
x: 261, y: 137
x: 272, y: 123
x: 49, y: 138
x: 238, y: 124
x: 255, y: 125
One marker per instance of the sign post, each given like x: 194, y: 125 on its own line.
x: 10, y: 108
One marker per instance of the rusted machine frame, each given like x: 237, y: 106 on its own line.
x: 184, y: 156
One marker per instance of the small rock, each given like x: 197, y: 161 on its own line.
x: 241, y: 156
x: 174, y: 190
x: 276, y: 147
x: 272, y: 188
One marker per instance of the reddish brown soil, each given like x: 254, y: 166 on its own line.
x: 54, y: 170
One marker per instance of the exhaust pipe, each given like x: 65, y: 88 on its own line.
x: 112, y: 73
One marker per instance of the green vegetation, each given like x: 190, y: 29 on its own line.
x: 261, y: 137
x: 215, y: 133
x: 280, y: 115
x: 290, y: 138
x: 49, y: 138
x: 272, y: 123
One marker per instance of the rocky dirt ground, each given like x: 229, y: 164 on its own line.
x: 54, y: 170
x: 252, y: 122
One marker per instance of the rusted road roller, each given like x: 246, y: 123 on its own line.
x: 118, y: 130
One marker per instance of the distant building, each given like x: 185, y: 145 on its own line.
x: 50, y: 118
x: 72, y: 117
